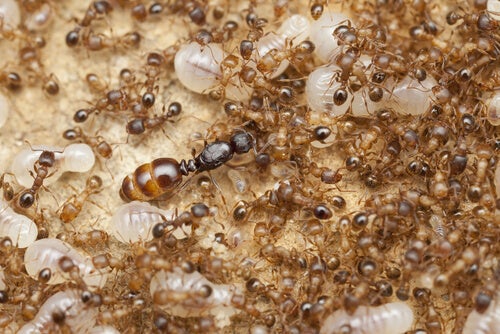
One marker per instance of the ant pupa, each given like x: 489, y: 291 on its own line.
x: 486, y: 322
x: 19, y: 228
x: 187, y: 294
x: 50, y: 253
x: 294, y: 30
x: 134, y: 221
x: 199, y: 68
x: 391, y: 318
x: 321, y: 34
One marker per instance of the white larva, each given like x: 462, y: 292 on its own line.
x: 187, y: 301
x: 493, y: 8
x: 392, y: 318
x: 73, y: 158
x: 10, y: 14
x: 134, y: 221
x: 292, y: 31
x: 39, y: 19
x: 21, y: 230
x: 322, y: 84
x: 485, y: 323
x: 321, y: 34
x: 5, y: 108
x: 46, y: 253
x: 199, y: 69
x: 493, y: 109
x: 78, y: 316
x: 411, y: 96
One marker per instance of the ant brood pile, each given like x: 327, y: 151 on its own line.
x: 287, y: 167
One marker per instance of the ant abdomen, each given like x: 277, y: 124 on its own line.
x: 151, y: 180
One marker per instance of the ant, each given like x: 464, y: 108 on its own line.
x: 154, y: 179
x: 98, y: 142
x: 139, y: 125
x: 46, y: 160
x: 73, y: 205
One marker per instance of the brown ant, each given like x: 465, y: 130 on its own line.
x: 73, y: 205
x: 45, y: 161
x: 140, y: 125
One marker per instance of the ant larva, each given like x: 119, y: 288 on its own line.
x: 136, y: 221
x: 163, y: 175
x: 65, y: 309
x: 73, y: 205
x: 51, y: 253
x: 203, y: 68
x: 21, y: 230
x: 190, y: 293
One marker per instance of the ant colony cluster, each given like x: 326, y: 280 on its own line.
x: 250, y: 166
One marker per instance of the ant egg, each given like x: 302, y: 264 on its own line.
x: 10, y: 13
x: 191, y: 294
x: 485, y: 323
x: 73, y: 158
x: 293, y: 30
x: 64, y: 306
x: 48, y: 253
x: 5, y: 107
x: 198, y: 68
x: 134, y: 221
x: 493, y: 8
x: 493, y: 109
x: 392, y: 318
x: 19, y: 228
x: 322, y: 34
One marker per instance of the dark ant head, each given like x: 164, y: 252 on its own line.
x: 47, y: 159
